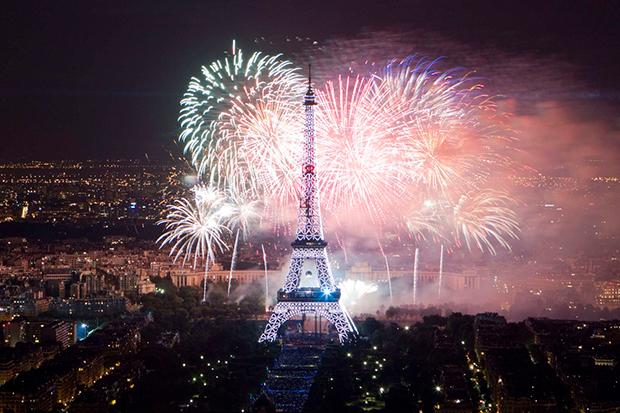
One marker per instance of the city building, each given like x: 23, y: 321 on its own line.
x: 608, y: 294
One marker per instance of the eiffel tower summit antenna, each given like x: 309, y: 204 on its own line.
x: 309, y: 247
x: 309, y: 98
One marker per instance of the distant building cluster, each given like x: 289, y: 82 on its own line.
x: 584, y: 355
x: 40, y: 377
x: 464, y: 280
x: 86, y: 192
x: 609, y: 294
x: 36, y: 279
x: 515, y: 358
x: 83, y: 279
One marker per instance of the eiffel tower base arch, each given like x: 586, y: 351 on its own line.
x: 332, y: 311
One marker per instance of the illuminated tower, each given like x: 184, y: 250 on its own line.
x: 309, y: 247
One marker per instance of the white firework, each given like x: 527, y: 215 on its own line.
x: 218, y: 106
x: 193, y: 230
x: 354, y: 291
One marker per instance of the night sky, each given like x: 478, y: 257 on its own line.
x: 102, y: 79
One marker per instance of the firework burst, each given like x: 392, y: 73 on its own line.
x: 443, y: 136
x: 216, y: 104
x: 354, y: 291
x: 268, y: 133
x: 241, y: 212
x: 208, y: 195
x: 386, y: 139
x: 355, y: 147
x: 484, y: 219
x: 193, y: 230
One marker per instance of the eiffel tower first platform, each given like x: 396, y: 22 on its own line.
x: 309, y: 247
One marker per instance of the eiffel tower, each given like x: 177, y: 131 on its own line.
x: 309, y: 247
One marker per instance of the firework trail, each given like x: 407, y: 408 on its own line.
x: 342, y: 246
x: 233, y: 260
x: 387, y: 268
x: 240, y: 213
x: 440, y: 272
x: 266, y: 279
x: 415, y: 276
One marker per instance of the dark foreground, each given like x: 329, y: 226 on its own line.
x: 182, y: 356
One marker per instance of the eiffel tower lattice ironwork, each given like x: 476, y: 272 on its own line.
x: 309, y: 245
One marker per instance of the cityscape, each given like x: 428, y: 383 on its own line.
x: 372, y: 214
